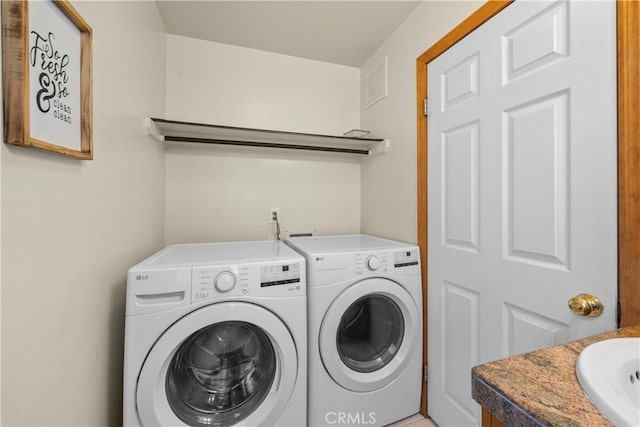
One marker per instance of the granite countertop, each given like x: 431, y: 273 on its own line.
x: 540, y: 388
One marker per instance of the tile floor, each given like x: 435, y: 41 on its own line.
x: 416, y: 420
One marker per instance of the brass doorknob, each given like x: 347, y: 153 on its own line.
x: 585, y: 305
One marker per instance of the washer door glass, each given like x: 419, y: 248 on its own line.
x: 370, y: 333
x: 220, y: 374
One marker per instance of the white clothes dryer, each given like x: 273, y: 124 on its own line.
x: 365, y: 329
x: 215, y: 334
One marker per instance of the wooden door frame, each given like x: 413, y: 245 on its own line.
x: 628, y: 45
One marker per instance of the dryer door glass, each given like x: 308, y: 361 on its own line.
x: 370, y: 333
x: 220, y: 374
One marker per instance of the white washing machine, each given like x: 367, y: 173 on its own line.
x: 215, y: 334
x: 365, y: 329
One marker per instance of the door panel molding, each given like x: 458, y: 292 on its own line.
x: 628, y: 39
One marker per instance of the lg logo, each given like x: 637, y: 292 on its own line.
x: 142, y: 277
x: 350, y: 418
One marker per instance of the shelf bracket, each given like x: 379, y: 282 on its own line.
x: 381, y: 148
x: 152, y: 129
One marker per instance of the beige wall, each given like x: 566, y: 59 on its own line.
x: 221, y: 194
x: 389, y: 185
x: 71, y: 229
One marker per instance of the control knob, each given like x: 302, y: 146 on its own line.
x: 225, y: 281
x: 373, y: 262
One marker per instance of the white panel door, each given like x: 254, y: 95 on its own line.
x: 522, y: 190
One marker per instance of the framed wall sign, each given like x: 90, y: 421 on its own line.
x: 46, y: 77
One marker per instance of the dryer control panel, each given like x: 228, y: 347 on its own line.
x: 367, y: 263
x: 268, y: 279
x: 405, y: 258
x: 326, y: 269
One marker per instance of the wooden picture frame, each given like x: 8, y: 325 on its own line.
x: 46, y: 77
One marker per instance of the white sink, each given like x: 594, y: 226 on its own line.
x: 609, y: 373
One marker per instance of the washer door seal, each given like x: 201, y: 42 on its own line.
x: 153, y: 404
x: 383, y: 353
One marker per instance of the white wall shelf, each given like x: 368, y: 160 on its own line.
x: 177, y: 131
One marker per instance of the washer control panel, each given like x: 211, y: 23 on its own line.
x: 277, y: 275
x: 268, y: 279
